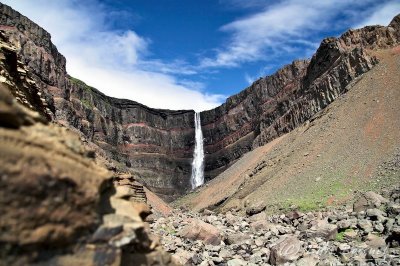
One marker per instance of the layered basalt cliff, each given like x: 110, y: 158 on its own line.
x: 276, y: 104
x: 62, y: 202
x: 157, y: 145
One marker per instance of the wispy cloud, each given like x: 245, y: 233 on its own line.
x: 289, y: 26
x: 382, y: 15
x: 114, y: 61
x: 249, y: 79
x: 121, y: 63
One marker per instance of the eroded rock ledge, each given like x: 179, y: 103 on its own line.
x: 60, y: 204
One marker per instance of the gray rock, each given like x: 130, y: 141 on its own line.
x: 393, y: 208
x: 308, y: 260
x: 258, y: 217
x: 256, y: 258
x: 231, y: 219
x: 217, y: 259
x: 350, y: 235
x: 389, y: 225
x: 344, y: 224
x: 375, y: 241
x: 184, y: 257
x: 374, y: 254
x: 199, y: 230
x: 265, y: 226
x: 379, y: 227
x: 105, y: 233
x: 236, y: 262
x: 344, y: 248
x: 321, y: 228
x: 259, y: 242
x: 287, y: 249
x: 369, y: 200
x: 375, y: 214
x: 255, y: 207
x: 365, y: 225
x: 329, y: 260
x: 224, y: 253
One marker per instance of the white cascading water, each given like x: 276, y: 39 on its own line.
x: 197, y: 177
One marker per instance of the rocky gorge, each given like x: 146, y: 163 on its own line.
x: 84, y: 176
x: 157, y: 145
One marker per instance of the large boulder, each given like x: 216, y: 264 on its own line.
x: 369, y: 200
x: 263, y: 225
x: 321, y: 228
x: 199, y: 230
x: 255, y: 207
x: 287, y: 249
x: 237, y: 238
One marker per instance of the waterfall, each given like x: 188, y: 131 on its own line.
x: 197, y: 178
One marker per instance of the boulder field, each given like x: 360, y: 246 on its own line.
x: 365, y: 233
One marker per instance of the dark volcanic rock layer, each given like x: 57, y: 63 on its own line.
x: 277, y: 104
x: 60, y: 204
x: 156, y: 145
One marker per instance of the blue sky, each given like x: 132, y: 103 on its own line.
x: 191, y: 54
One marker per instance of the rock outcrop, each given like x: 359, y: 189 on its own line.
x: 60, y: 204
x: 275, y: 105
x: 156, y: 146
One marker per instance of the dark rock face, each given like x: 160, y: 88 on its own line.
x: 276, y: 104
x: 157, y: 145
x: 56, y: 195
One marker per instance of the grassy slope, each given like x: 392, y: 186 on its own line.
x: 351, y: 146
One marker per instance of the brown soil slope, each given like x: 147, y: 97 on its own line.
x: 352, y: 145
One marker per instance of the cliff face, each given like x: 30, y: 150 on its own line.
x: 157, y: 145
x: 277, y: 104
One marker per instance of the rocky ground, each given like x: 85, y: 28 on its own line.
x: 367, y: 233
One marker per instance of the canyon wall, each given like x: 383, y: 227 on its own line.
x: 276, y: 104
x: 157, y: 145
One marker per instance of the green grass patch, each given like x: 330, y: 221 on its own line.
x: 86, y: 103
x: 169, y: 230
x: 81, y: 84
x: 340, y: 236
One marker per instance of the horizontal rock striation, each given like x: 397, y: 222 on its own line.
x: 156, y: 145
x: 60, y: 205
x: 276, y: 104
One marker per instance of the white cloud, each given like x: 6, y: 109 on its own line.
x: 249, y: 79
x: 286, y: 27
x: 114, y: 61
x: 382, y: 16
